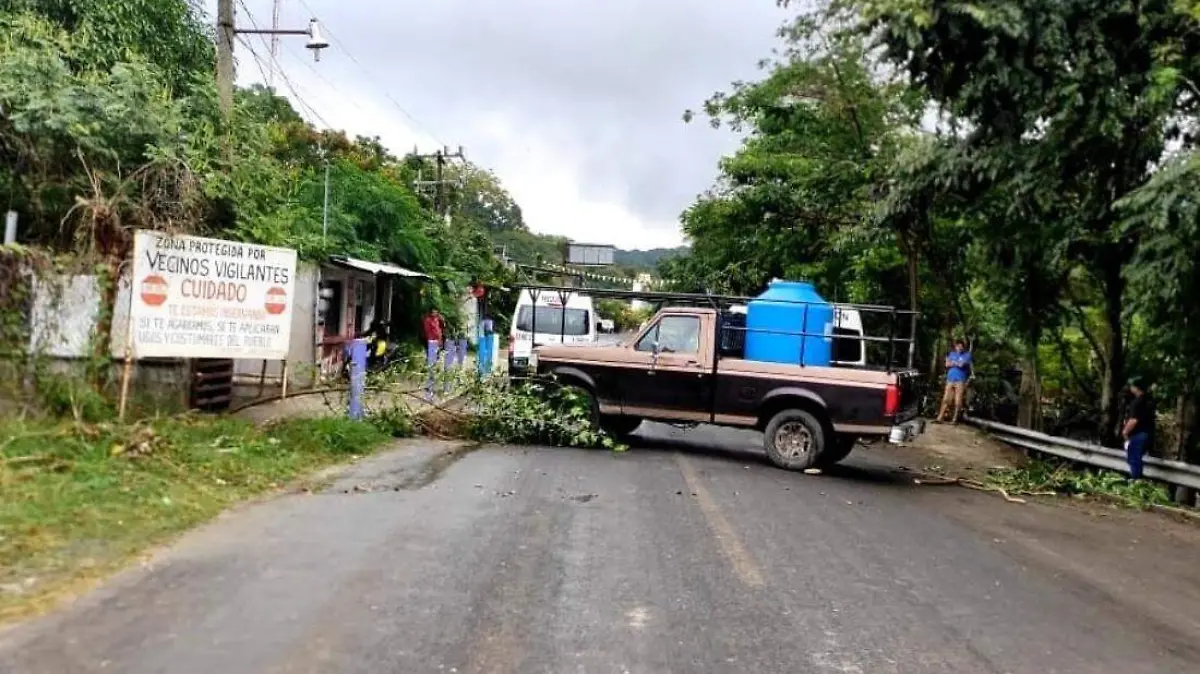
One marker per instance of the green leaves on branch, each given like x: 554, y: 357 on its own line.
x: 533, y: 413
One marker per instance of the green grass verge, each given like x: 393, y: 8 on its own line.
x: 78, y: 501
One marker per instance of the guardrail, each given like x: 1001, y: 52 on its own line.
x: 1171, y: 472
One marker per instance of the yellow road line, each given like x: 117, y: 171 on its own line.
x: 743, y: 564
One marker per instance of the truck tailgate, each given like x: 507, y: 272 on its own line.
x: 909, y: 382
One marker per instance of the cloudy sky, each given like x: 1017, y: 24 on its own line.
x: 575, y: 104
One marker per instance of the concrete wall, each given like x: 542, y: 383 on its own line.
x: 63, y: 313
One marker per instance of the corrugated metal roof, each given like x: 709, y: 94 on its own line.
x: 375, y: 267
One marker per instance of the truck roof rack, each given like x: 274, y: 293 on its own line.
x: 723, y: 302
x: 714, y: 301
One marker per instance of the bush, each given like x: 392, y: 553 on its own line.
x: 537, y: 412
x: 394, y: 420
x: 64, y: 396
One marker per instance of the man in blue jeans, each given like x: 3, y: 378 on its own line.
x: 1138, y: 430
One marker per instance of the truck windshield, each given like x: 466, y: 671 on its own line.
x: 550, y: 321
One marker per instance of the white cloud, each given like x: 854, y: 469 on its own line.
x: 575, y: 105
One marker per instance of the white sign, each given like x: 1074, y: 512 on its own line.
x: 207, y: 298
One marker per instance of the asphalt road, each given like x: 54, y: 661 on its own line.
x: 687, y: 554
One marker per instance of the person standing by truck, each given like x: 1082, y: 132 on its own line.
x: 1138, y: 430
x: 958, y: 372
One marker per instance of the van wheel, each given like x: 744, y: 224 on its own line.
x: 837, y: 450
x: 620, y: 427
x: 794, y: 439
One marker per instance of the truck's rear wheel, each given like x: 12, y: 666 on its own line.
x: 837, y: 450
x: 794, y: 439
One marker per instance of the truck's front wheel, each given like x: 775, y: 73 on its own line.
x: 794, y: 439
x: 620, y: 427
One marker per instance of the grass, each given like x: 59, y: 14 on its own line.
x: 80, y: 500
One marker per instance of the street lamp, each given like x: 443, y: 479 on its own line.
x: 316, y: 39
x: 227, y: 32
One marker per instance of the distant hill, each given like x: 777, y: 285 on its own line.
x: 645, y: 260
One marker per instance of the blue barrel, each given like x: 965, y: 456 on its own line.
x: 775, y: 318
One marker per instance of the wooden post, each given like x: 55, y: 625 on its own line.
x: 262, y: 378
x: 128, y: 369
x: 284, y: 383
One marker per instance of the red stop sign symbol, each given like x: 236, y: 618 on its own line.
x: 276, y: 301
x: 154, y: 290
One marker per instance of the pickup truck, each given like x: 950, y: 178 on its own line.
x: 678, y: 369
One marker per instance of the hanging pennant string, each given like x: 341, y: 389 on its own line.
x: 650, y: 283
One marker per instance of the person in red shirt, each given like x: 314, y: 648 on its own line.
x: 433, y: 323
x: 434, y: 326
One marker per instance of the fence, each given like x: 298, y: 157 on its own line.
x: 1175, y: 473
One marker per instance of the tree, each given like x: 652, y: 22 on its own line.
x: 1165, y: 284
x: 171, y: 35
x: 67, y: 134
x: 1072, y: 99
x: 822, y: 128
x: 484, y: 201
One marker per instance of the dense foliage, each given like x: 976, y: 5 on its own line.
x: 1021, y: 173
x: 108, y: 123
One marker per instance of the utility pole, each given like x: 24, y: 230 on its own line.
x: 325, y: 209
x: 440, y: 204
x: 225, y: 36
x: 227, y: 32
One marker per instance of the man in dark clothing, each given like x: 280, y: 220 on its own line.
x: 1138, y: 430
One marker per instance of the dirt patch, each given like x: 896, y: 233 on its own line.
x: 956, y: 450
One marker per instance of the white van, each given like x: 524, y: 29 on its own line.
x: 847, y: 326
x: 572, y: 324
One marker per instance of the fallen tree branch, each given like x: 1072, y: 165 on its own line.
x: 1176, y: 511
x: 932, y: 481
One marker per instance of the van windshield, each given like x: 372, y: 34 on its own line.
x: 550, y: 321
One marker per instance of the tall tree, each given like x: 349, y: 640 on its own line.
x: 822, y: 128
x: 1075, y: 99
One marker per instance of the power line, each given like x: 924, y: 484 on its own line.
x: 257, y: 62
x: 334, y: 39
x: 304, y: 105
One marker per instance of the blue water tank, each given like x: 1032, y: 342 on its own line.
x: 775, y: 318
